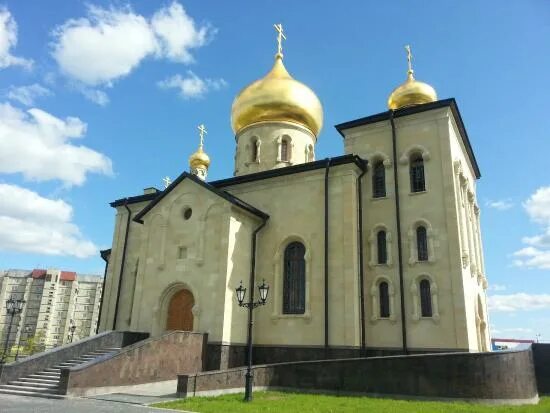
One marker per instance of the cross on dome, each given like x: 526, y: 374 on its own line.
x: 202, y: 132
x: 280, y: 37
x: 409, y: 59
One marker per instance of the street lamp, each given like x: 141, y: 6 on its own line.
x: 72, y: 328
x: 251, y: 305
x: 13, y: 307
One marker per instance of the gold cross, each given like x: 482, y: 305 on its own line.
x: 202, y: 132
x: 409, y: 58
x: 280, y: 37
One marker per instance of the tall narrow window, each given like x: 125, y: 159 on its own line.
x: 294, y: 279
x: 425, y: 298
x: 418, y: 183
x: 381, y: 246
x: 284, y: 150
x: 379, y: 180
x: 422, y: 243
x: 254, y: 151
x: 383, y: 290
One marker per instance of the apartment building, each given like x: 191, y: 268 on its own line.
x: 54, y: 300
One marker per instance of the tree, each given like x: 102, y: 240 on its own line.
x: 35, y: 344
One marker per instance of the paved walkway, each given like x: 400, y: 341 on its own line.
x: 21, y: 404
x: 121, y: 400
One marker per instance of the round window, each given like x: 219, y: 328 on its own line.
x: 187, y: 212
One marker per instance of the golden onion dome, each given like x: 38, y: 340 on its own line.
x: 411, y: 92
x: 199, y: 159
x: 277, y: 97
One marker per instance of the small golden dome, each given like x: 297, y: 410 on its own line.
x: 199, y: 159
x: 277, y: 97
x: 412, y: 92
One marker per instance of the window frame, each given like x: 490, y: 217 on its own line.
x: 294, y: 303
x: 417, y: 173
x: 378, y: 180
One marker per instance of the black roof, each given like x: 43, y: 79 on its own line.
x: 418, y: 109
x: 289, y: 170
x: 309, y: 166
x: 225, y: 195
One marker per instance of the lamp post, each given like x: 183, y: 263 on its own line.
x: 13, y: 307
x: 72, y: 328
x: 251, y: 305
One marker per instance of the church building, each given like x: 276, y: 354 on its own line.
x: 374, y: 251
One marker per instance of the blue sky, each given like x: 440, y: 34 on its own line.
x: 99, y: 100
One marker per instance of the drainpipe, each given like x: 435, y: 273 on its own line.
x: 102, y: 292
x: 123, y: 261
x: 360, y: 254
x: 327, y: 168
x: 399, y: 238
x: 249, y: 375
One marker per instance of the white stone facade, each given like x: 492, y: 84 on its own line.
x: 209, y: 252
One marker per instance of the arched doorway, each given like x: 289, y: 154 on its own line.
x: 180, y: 311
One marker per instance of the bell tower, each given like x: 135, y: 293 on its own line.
x: 276, y: 120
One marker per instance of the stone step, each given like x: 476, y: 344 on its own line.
x: 34, y: 379
x: 52, y: 370
x: 65, y: 365
x: 28, y: 388
x: 31, y: 393
x: 45, y: 375
x: 22, y: 383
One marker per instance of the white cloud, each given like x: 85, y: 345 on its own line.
x: 518, y: 302
x: 108, y: 44
x: 34, y: 224
x: 501, y: 205
x: 8, y: 40
x: 95, y: 95
x: 37, y: 144
x: 192, y: 86
x: 497, y: 287
x: 177, y: 33
x: 27, y: 94
x: 532, y: 257
x: 537, y: 252
x: 538, y: 206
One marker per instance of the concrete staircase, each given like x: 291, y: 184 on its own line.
x: 46, y: 382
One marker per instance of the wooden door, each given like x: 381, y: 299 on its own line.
x: 180, y: 314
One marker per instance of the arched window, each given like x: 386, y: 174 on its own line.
x: 422, y: 243
x: 418, y: 183
x: 383, y: 290
x: 425, y: 298
x: 294, y: 279
x: 381, y: 246
x: 284, y: 150
x: 379, y: 180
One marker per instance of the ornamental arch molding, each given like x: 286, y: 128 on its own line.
x: 160, y: 311
x: 406, y: 156
x: 415, y: 293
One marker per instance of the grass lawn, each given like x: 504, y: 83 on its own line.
x: 267, y: 402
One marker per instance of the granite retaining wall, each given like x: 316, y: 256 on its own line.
x: 155, y: 359
x: 499, y: 377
